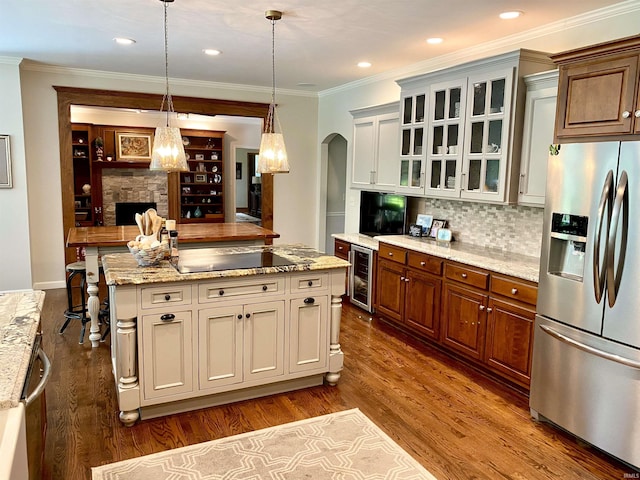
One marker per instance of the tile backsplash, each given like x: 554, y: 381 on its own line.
x: 509, y: 228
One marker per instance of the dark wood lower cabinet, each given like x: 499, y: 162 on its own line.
x: 464, y: 319
x: 485, y: 317
x: 510, y: 340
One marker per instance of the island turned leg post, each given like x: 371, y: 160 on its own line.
x: 93, y: 304
x: 335, y: 353
x: 128, y: 387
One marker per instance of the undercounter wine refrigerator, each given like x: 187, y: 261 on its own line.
x: 586, y: 359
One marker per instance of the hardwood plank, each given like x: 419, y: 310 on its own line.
x: 451, y: 418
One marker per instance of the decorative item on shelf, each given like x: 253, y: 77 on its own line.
x: 214, y: 169
x: 217, y: 178
x: 444, y: 237
x: 185, y: 141
x: 214, y: 156
x: 210, y: 144
x: 86, y: 189
x: 197, y: 213
x: 424, y: 221
x: 201, y: 168
x: 168, y: 150
x: 199, y: 156
x: 109, y: 158
x: 99, y: 143
x: 415, y: 230
x: 273, y: 154
x: 201, y: 177
x: 187, y: 179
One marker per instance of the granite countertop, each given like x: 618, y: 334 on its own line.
x: 19, y: 320
x: 516, y: 265
x: 358, y: 239
x: 122, y: 269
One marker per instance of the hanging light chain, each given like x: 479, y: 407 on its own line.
x: 167, y: 95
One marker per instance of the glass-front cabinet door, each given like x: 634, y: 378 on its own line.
x: 444, y: 148
x: 487, y: 139
x: 412, y: 142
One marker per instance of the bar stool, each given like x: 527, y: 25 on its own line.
x: 76, y: 312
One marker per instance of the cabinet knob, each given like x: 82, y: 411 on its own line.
x: 264, y: 288
x: 310, y: 283
x: 406, y: 279
x: 168, y: 317
x: 514, y: 291
x: 391, y: 254
x: 167, y: 297
x: 626, y: 114
x: 489, y: 309
x: 481, y: 308
x: 637, y: 114
x: 463, y: 275
x: 422, y: 264
x: 248, y: 315
x: 402, y: 279
x: 340, y: 248
x: 221, y: 292
x: 239, y: 316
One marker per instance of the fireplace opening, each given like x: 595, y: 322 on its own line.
x: 126, y: 211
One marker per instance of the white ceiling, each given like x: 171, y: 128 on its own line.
x: 317, y: 42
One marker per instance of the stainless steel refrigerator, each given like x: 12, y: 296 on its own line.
x: 586, y: 359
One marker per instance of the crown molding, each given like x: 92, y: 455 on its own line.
x: 58, y: 70
x: 10, y: 60
x: 494, y: 47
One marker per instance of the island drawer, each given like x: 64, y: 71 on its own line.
x: 424, y: 262
x: 341, y: 249
x: 254, y: 286
x: 467, y: 275
x: 309, y: 281
x: 513, y: 288
x: 168, y: 294
x: 389, y: 252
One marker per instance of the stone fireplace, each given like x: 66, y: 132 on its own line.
x: 133, y: 185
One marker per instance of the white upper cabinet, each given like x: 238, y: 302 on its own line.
x: 539, y: 120
x: 412, y: 142
x: 471, y: 131
x: 375, y: 147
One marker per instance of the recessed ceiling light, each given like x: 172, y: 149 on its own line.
x: 510, y: 15
x: 211, y: 51
x: 124, y: 41
x: 364, y: 64
x: 434, y: 40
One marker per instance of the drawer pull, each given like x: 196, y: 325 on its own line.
x: 514, y: 291
x: 463, y: 275
x: 391, y: 254
x: 168, y: 317
x: 264, y: 288
x: 422, y: 264
x: 220, y: 292
x: 309, y: 300
x: 310, y: 283
x: 167, y: 297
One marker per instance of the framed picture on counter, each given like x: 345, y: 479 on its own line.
x: 435, y: 226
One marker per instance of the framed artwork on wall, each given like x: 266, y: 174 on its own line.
x: 5, y: 162
x: 133, y: 147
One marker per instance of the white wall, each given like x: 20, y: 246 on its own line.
x: 608, y: 24
x: 15, y: 237
x: 298, y: 116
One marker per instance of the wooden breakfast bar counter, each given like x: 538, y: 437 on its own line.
x: 99, y: 241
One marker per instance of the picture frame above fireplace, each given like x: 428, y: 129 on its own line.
x: 133, y: 147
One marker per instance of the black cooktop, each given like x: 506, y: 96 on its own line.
x: 207, y: 260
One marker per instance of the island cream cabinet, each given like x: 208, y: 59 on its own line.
x: 471, y: 130
x: 185, y: 345
x: 375, y: 147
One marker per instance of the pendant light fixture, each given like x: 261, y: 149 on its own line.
x: 168, y: 150
x: 273, y: 154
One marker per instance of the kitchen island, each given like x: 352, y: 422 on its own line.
x: 98, y: 241
x: 224, y: 330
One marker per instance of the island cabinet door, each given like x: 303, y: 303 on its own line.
x: 263, y: 340
x: 167, y: 355
x: 220, y: 339
x: 308, y: 340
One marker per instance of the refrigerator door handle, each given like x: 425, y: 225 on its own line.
x: 620, y: 207
x: 599, y: 271
x: 589, y: 349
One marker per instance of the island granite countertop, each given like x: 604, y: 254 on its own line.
x: 122, y: 269
x: 19, y: 320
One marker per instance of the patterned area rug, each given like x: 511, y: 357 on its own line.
x: 344, y: 445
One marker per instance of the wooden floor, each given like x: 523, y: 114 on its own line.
x: 453, y: 420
